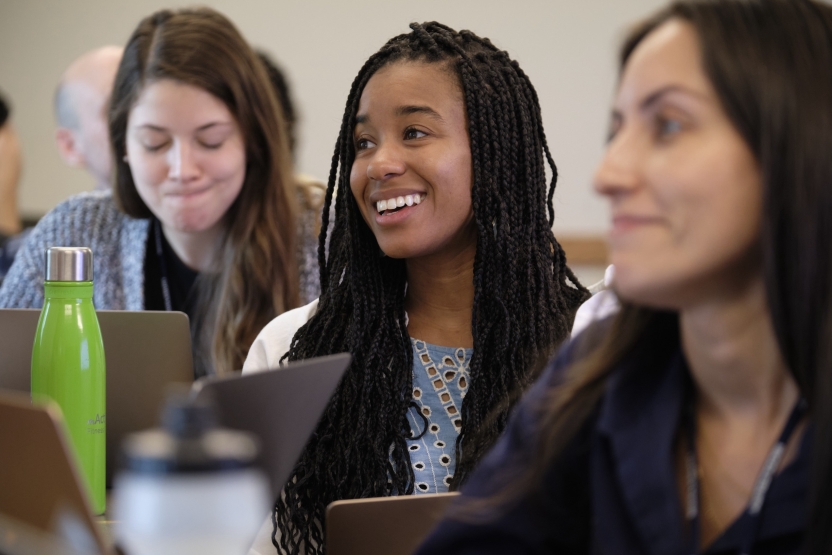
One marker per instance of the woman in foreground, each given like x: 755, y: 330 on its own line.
x: 441, y: 276
x: 699, y: 419
x: 205, y: 216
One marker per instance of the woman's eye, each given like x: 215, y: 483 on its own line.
x: 411, y: 133
x: 363, y: 144
x: 667, y: 127
x: 211, y: 139
x: 154, y: 147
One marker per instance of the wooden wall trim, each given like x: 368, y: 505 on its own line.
x: 584, y: 249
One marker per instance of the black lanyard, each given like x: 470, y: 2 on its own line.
x: 163, y: 268
x: 761, y: 486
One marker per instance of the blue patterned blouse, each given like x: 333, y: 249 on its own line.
x: 440, y: 380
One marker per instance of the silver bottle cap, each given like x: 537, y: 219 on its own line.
x: 68, y: 264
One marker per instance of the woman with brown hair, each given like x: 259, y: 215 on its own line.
x: 699, y: 418
x: 205, y: 216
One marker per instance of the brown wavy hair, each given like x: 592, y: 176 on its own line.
x: 768, y: 61
x: 256, y: 275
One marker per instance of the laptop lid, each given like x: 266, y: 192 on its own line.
x: 281, y: 407
x: 145, y: 351
x: 42, y: 500
x: 383, y: 525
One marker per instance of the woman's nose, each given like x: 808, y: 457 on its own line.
x: 386, y: 162
x: 618, y: 172
x: 182, y: 165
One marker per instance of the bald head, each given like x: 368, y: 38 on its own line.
x: 81, y: 112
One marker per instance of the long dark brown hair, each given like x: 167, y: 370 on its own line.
x: 256, y: 269
x: 769, y: 61
x: 524, y: 293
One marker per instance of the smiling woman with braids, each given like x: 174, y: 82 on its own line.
x: 440, y: 274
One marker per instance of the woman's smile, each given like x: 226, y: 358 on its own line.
x: 188, y: 193
x: 396, y: 208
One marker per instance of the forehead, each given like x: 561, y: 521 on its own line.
x: 411, y: 84
x: 669, y: 55
x: 172, y: 101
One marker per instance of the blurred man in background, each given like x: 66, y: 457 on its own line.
x: 10, y: 166
x: 81, y: 102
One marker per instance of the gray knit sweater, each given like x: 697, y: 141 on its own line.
x: 118, y: 243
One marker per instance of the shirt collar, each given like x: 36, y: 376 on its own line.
x: 640, y: 417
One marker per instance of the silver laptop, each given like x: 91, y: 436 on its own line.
x: 145, y: 352
x: 383, y: 525
x: 44, y: 507
x: 281, y: 407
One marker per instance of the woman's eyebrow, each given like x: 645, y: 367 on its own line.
x: 656, y: 96
x: 208, y: 125
x: 427, y: 110
x: 405, y: 111
x: 213, y: 124
x: 151, y: 127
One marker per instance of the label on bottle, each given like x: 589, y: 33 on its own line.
x: 97, y: 425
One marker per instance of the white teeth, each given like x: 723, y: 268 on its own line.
x: 399, y: 202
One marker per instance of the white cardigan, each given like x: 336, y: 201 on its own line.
x: 271, y: 344
x: 274, y: 340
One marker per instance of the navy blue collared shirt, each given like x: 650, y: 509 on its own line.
x: 614, y: 489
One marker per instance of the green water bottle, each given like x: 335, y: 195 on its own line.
x: 68, y: 361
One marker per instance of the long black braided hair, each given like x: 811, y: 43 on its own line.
x: 524, y: 294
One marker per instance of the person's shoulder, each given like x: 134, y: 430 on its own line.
x: 291, y: 320
x: 311, y: 193
x: 88, y: 199
x: 577, y: 347
x: 87, y: 206
x: 274, y: 340
x: 89, y: 216
x: 599, y: 306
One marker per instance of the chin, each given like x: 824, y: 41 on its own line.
x: 399, y: 249
x: 646, y: 288
x: 193, y: 224
x: 398, y: 254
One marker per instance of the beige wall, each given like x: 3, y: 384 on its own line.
x: 566, y: 46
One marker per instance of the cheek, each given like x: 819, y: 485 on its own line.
x: 226, y: 166
x: 358, y: 186
x: 712, y: 221
x: 147, y: 171
x: 455, y: 170
x: 719, y: 209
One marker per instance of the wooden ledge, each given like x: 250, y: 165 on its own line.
x: 584, y: 249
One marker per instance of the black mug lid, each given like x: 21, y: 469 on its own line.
x: 189, y: 441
